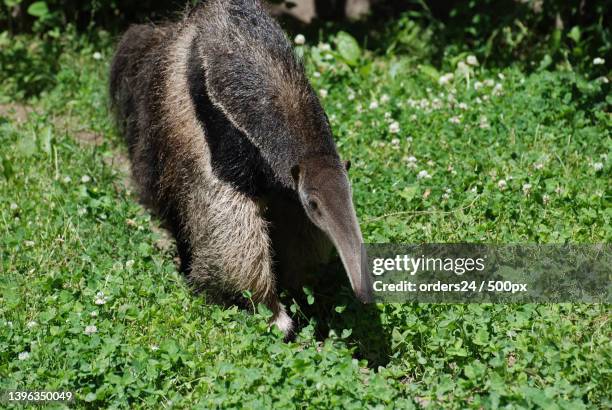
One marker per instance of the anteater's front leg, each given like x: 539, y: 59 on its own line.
x: 231, y: 249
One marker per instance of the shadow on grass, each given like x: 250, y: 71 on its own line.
x: 336, y: 309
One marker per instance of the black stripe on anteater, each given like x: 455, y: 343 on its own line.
x: 235, y: 159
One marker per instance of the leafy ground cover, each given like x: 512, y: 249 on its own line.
x: 91, y: 300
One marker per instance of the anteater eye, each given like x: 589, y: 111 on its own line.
x: 313, y: 205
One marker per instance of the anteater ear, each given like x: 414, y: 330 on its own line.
x: 295, y: 173
x: 347, y: 165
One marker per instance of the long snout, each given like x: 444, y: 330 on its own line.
x: 345, y: 234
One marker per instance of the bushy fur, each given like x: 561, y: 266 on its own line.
x: 216, y: 111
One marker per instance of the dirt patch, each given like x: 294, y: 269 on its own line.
x: 16, y: 111
x: 20, y: 112
x: 121, y: 163
x: 88, y: 137
x: 82, y: 135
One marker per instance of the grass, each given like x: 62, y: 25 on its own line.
x: 91, y: 300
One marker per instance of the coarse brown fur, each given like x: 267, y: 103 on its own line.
x: 222, y: 126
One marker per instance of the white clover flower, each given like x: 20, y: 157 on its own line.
x: 463, y: 106
x: 598, y: 61
x: 558, y: 190
x: 598, y: 166
x: 351, y: 96
x: 472, y: 60
x: 328, y: 56
x: 395, y: 143
x: 497, y: 90
x: 29, y: 244
x: 394, y: 128
x: 477, y: 100
x: 154, y: 347
x: 603, y: 79
x: 489, y: 82
x: 97, y: 55
x: 324, y: 47
x: 13, y: 206
x: 81, y: 211
x: 67, y: 180
x: 93, y: 314
x: 373, y: 105
x: 478, y: 85
x: 411, y: 160
x: 484, y: 122
x: 316, y: 74
x: 538, y: 166
x: 90, y: 330
x: 423, y: 175
x: 448, y: 190
x: 545, y: 199
x: 462, y: 67
x: 445, y: 196
x: 384, y: 98
x: 527, y: 189
x: 502, y: 184
x: 474, y: 190
x: 454, y: 120
x: 100, y: 298
x: 23, y: 356
x: 409, y: 139
x: 31, y: 324
x: 85, y: 179
x: 431, y: 163
x: 299, y: 40
x: 501, y: 76
x: 446, y: 78
x: 323, y: 92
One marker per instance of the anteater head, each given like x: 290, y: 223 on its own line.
x: 325, y: 193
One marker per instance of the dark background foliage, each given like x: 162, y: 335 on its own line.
x: 505, y: 28
x: 536, y: 34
